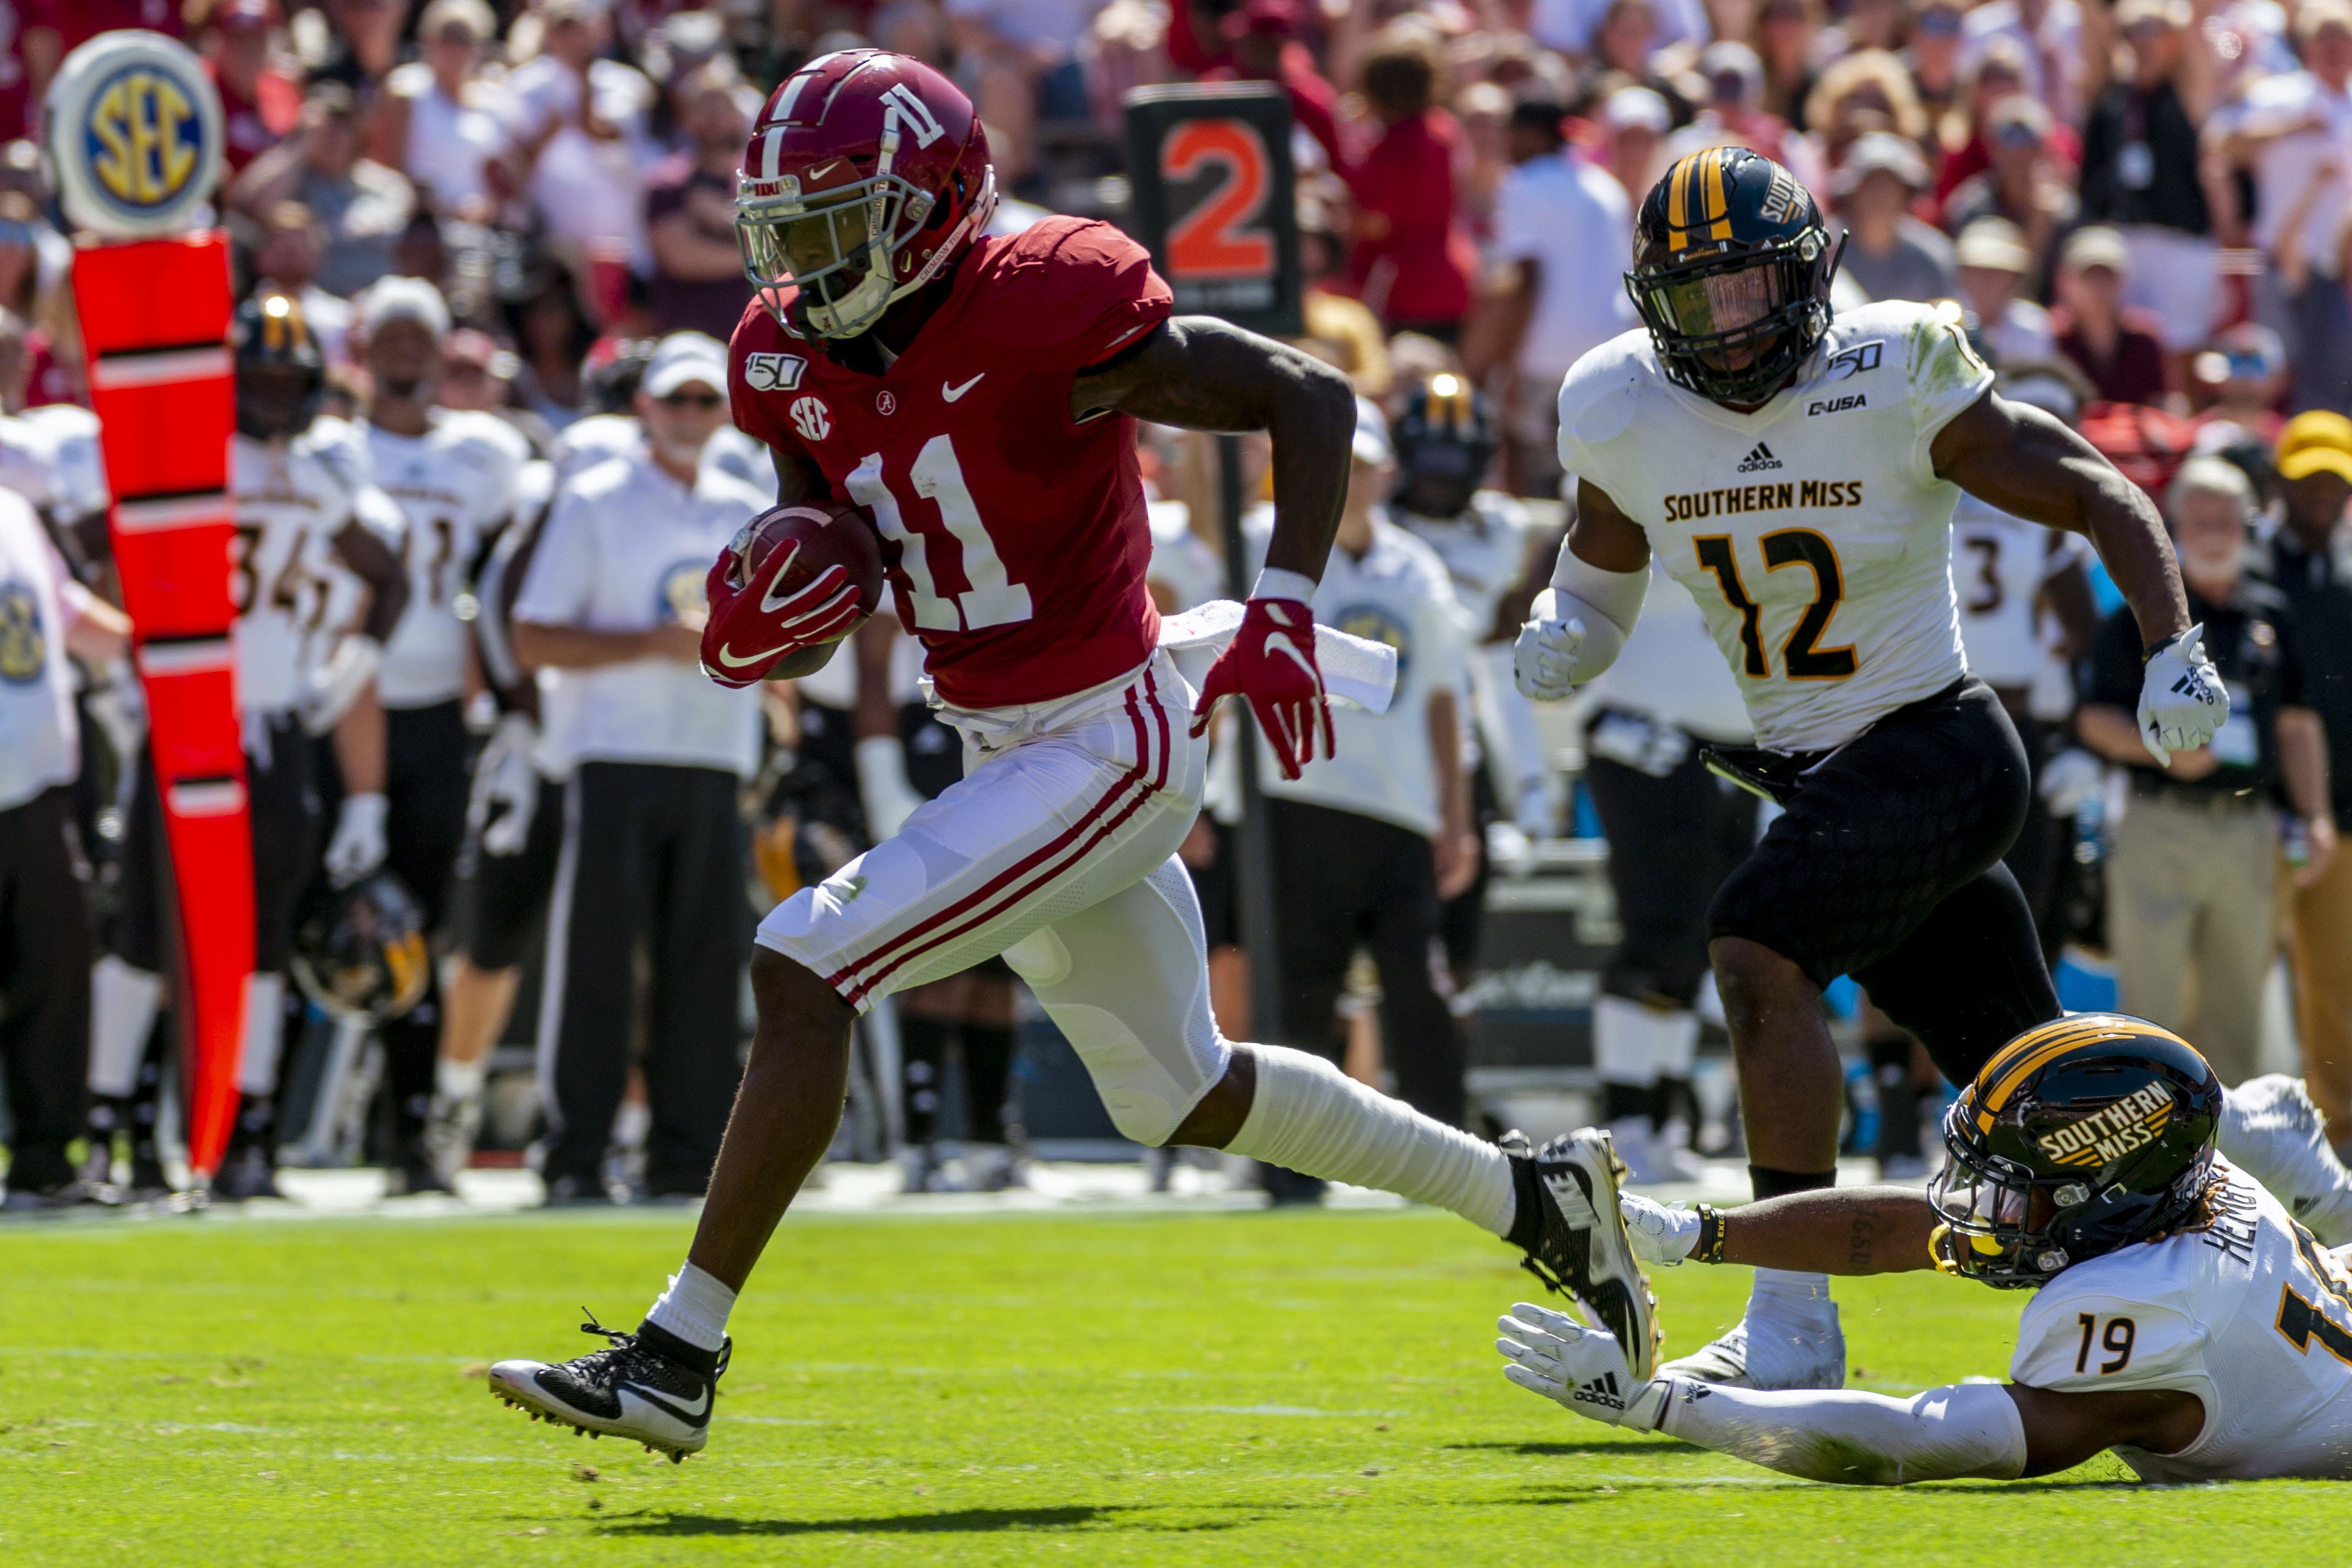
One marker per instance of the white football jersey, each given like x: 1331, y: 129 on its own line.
x: 455, y: 486
x: 1813, y: 532
x: 1484, y: 550
x: 1999, y: 565
x: 50, y: 457
x: 291, y: 595
x: 2245, y: 1310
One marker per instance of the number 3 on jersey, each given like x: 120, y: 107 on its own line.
x: 994, y: 599
x: 1801, y: 659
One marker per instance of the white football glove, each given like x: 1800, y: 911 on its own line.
x: 1583, y: 1368
x: 2069, y: 780
x: 1544, y: 657
x: 506, y: 786
x: 2182, y: 702
x: 336, y: 685
x: 358, y: 845
x: 1661, y: 1235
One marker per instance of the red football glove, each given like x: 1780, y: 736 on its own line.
x: 1270, y: 663
x: 751, y: 629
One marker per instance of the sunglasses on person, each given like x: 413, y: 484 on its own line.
x: 705, y: 401
x: 1939, y: 24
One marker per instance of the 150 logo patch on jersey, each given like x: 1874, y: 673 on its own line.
x: 773, y: 373
x: 1854, y: 361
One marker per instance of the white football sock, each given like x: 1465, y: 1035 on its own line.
x: 460, y: 1081
x: 264, y: 1033
x: 122, y: 1004
x: 694, y: 1307
x: 1312, y: 1118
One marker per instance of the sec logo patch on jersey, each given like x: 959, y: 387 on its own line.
x: 811, y: 418
x: 133, y: 124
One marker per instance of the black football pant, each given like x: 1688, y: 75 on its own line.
x: 1886, y: 865
x: 46, y: 951
x: 1344, y: 881
x: 426, y: 788
x: 653, y: 859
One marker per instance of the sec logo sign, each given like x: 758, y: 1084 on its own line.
x: 135, y: 126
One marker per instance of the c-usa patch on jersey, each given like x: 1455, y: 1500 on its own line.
x: 773, y: 373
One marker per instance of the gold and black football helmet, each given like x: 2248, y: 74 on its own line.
x: 1445, y: 441
x: 361, y: 953
x: 2080, y: 1137
x: 281, y: 376
x: 1731, y: 274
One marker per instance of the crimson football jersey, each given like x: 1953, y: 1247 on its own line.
x: 1021, y: 535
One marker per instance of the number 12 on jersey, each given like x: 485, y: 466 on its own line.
x: 1801, y: 659
x: 994, y: 599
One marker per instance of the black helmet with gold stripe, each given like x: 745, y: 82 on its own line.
x: 1445, y: 440
x: 2080, y: 1137
x: 1731, y: 274
x: 281, y: 376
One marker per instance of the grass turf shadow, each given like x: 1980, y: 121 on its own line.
x: 947, y: 1521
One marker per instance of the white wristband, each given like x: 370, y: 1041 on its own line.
x: 1273, y: 583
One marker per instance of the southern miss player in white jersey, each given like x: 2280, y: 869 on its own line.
x: 1798, y: 475
x: 453, y: 475
x: 312, y: 533
x: 2181, y: 1317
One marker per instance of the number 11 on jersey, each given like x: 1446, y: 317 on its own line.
x: 994, y: 599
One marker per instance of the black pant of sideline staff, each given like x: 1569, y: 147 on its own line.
x: 44, y: 958
x: 652, y: 854
x: 1342, y: 880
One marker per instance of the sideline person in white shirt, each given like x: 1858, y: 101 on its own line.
x: 653, y: 841
x: 1370, y: 840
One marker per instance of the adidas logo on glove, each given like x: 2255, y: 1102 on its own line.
x: 1601, y: 1390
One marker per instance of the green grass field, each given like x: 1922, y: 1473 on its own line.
x: 1161, y: 1389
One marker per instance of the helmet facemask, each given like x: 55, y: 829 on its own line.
x: 838, y: 247
x: 1734, y: 325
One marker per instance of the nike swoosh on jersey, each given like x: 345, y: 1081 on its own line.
x: 950, y: 394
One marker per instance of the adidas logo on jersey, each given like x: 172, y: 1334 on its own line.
x: 1761, y: 458
x: 1603, y: 1390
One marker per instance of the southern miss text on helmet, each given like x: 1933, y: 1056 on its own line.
x: 1731, y: 274
x: 2080, y: 1137
x: 866, y: 176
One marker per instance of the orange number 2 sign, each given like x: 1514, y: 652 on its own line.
x: 1214, y: 240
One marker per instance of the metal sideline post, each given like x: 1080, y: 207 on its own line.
x: 134, y: 128
x: 1214, y: 202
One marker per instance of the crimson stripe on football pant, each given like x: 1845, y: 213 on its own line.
x: 1109, y: 799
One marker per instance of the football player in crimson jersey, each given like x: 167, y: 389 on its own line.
x: 977, y: 397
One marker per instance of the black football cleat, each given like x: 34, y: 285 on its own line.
x: 1573, y: 1234
x: 650, y: 1387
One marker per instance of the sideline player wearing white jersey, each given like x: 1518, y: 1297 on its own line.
x: 453, y: 475
x: 1798, y: 475
x: 312, y: 534
x: 2181, y: 1317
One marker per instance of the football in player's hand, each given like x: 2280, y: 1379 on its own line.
x: 793, y: 577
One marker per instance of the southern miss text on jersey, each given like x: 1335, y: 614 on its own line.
x: 2241, y: 1308
x: 1021, y: 533
x: 291, y: 497
x: 1813, y: 532
x: 455, y: 486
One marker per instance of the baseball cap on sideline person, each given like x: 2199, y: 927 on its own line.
x: 397, y: 298
x: 2317, y: 441
x: 1995, y: 245
x: 681, y: 360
